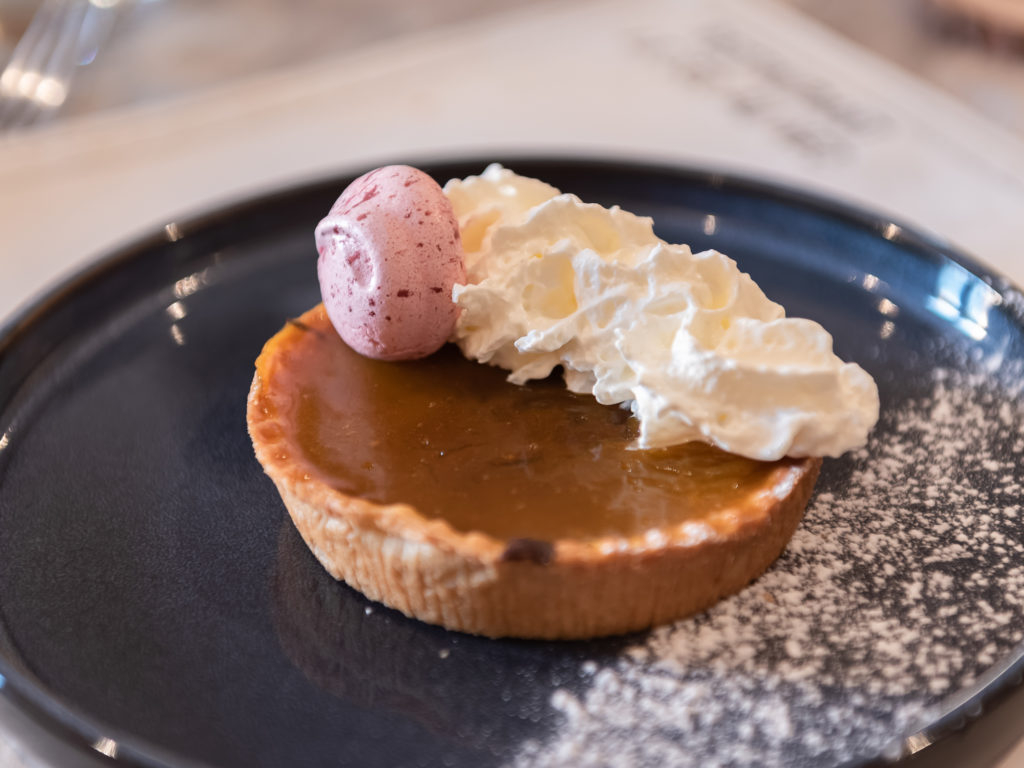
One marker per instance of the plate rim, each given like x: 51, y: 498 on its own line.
x: 66, y: 722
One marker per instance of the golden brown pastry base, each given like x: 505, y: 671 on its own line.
x: 477, y: 583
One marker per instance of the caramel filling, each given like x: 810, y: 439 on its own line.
x: 456, y: 441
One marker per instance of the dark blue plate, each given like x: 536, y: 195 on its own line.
x: 156, y: 603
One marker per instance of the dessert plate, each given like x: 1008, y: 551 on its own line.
x: 157, y: 605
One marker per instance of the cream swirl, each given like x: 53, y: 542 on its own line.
x: 687, y: 341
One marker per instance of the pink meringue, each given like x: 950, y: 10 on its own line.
x: 390, y: 252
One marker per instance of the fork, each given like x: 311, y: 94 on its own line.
x: 36, y: 81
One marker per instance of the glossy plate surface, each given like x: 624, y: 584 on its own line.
x: 156, y: 600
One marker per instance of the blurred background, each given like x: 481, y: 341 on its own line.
x: 152, y: 50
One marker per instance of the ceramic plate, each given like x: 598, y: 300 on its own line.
x: 156, y: 603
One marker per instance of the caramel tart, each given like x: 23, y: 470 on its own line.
x: 441, y: 490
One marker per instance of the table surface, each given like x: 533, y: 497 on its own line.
x: 167, y: 49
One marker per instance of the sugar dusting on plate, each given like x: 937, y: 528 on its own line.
x: 903, y: 584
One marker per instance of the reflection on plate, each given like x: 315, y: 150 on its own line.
x: 481, y: 695
x: 152, y: 590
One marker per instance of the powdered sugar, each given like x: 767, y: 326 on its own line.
x: 902, y: 586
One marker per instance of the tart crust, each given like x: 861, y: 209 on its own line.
x: 566, y: 589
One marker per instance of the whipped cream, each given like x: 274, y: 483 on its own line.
x: 688, y: 342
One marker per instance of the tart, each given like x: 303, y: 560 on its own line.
x: 439, y: 489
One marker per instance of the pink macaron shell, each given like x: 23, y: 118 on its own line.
x: 390, y: 252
